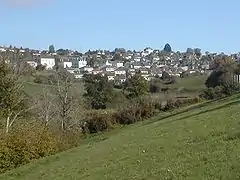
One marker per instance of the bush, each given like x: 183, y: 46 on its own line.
x: 136, y: 110
x: 176, y: 103
x: 99, y: 121
x: 154, y: 88
x: 45, y: 79
x: 128, y: 114
x: 230, y: 89
x: 213, y: 93
x: 24, y: 145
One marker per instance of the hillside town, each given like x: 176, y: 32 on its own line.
x: 117, y: 65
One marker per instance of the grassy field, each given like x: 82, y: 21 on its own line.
x: 190, y: 84
x: 197, y: 142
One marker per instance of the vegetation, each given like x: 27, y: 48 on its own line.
x: 167, y: 48
x: 196, y: 142
x: 12, y: 98
x: 136, y: 86
x: 51, y: 49
x: 42, y: 112
x: 98, y: 91
x: 221, y: 80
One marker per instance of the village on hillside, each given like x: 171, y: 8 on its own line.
x: 117, y: 65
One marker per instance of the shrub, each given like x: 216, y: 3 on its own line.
x: 213, y: 93
x: 24, y: 145
x: 170, y: 104
x: 128, y: 114
x: 99, y: 120
x: 136, y: 110
x: 230, y: 89
x: 176, y: 103
x: 45, y: 79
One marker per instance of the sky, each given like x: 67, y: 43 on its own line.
x: 212, y: 25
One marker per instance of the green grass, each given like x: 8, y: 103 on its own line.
x: 197, y: 142
x: 191, y: 83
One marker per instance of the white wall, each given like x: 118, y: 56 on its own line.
x: 67, y: 64
x: 120, y: 72
x: 110, y: 78
x: 32, y: 63
x: 48, y: 62
x: 110, y: 69
x: 82, y: 63
x: 119, y: 64
x: 88, y: 69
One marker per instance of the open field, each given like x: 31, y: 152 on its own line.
x: 190, y: 85
x: 197, y: 142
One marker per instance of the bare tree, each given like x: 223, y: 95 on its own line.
x: 65, y: 97
x: 45, y: 106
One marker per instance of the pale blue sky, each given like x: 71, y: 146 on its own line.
x: 212, y: 25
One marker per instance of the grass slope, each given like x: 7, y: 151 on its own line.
x: 197, y: 142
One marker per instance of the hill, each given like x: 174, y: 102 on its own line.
x: 196, y: 142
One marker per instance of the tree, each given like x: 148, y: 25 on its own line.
x: 51, y: 49
x: 165, y: 76
x: 90, y: 61
x: 65, y: 96
x: 136, y: 86
x: 189, y: 51
x: 117, y: 56
x: 40, y: 67
x: 155, y: 85
x: 46, y: 108
x: 223, y: 72
x: 12, y: 98
x: 197, y: 52
x: 98, y: 91
x: 167, y: 48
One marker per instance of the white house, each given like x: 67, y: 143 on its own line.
x: 132, y: 72
x: 120, y: 79
x: 82, y: 63
x: 110, y: 76
x: 120, y: 71
x: 137, y: 59
x: 110, y: 69
x: 144, y: 70
x: 78, y: 76
x: 96, y: 71
x: 88, y: 69
x: 48, y: 62
x: 108, y: 64
x: 22, y: 50
x: 148, y: 50
x: 67, y: 64
x: 184, y: 68
x: 3, y: 49
x: 117, y: 64
x: 32, y: 63
x: 71, y: 71
x: 137, y: 65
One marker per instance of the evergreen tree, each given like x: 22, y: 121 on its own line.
x: 51, y: 49
x: 167, y: 48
